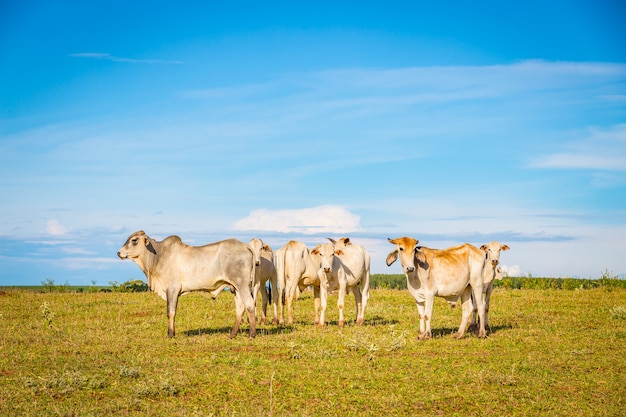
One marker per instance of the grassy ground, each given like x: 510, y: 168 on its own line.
x: 551, y: 352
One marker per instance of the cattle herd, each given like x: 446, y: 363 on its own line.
x: 173, y: 269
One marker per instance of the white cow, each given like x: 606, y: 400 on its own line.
x: 174, y: 269
x: 449, y: 273
x: 297, y: 268
x: 344, y: 266
x: 492, y: 271
x: 264, y: 271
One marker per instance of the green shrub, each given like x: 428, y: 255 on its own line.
x: 388, y: 281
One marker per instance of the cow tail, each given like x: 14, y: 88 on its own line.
x: 269, y: 292
x: 279, y: 262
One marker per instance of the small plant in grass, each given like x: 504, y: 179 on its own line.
x: 127, y: 372
x: 47, y: 313
x: 618, y: 312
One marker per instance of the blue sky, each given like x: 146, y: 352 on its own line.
x: 452, y: 122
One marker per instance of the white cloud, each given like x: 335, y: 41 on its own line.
x: 322, y: 219
x: 511, y: 270
x: 55, y: 228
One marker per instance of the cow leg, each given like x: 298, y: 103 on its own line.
x: 428, y: 314
x: 467, y: 307
x: 281, y: 307
x: 487, y: 296
x: 421, y: 311
x: 274, y: 298
x: 250, y: 306
x: 473, y: 320
x: 172, y: 302
x: 480, y: 302
x: 264, y: 299
x: 244, y: 302
x: 239, y: 309
x: 321, y: 301
x: 341, y: 302
x: 290, y: 295
x: 360, y: 305
x: 365, y: 292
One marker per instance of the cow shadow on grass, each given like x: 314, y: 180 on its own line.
x: 243, y: 331
x: 440, y: 332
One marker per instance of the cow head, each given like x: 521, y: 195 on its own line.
x: 258, y: 247
x: 492, y: 252
x: 135, y: 246
x: 326, y: 253
x: 408, y: 252
x: 343, y: 241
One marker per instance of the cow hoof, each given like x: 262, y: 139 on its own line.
x: 341, y: 323
x: 423, y: 336
x: 360, y: 322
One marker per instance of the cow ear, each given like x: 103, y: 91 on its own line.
x: 392, y: 257
x: 315, y: 251
x: 339, y: 252
x: 505, y: 247
x: 146, y: 241
x: 346, y: 241
x: 421, y: 259
x: 483, y: 247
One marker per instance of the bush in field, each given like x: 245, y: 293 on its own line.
x: 394, y: 281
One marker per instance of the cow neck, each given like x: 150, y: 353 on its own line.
x: 151, y: 258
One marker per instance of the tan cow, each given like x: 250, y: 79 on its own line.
x: 264, y: 271
x: 448, y: 273
x: 174, y: 269
x: 492, y: 271
x: 344, y: 266
x: 297, y: 269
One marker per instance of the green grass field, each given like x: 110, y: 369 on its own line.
x: 551, y: 352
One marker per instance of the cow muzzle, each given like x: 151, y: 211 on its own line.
x: 495, y: 263
x: 409, y: 269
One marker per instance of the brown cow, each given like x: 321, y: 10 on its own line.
x: 174, y: 269
x: 449, y: 273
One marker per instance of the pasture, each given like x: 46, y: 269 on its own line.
x: 550, y: 352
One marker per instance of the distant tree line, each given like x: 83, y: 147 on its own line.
x: 387, y: 281
x: 398, y: 281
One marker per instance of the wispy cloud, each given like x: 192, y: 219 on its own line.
x: 601, y: 149
x: 109, y: 57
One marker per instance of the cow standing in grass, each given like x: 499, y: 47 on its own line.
x: 492, y: 271
x: 265, y: 271
x: 344, y: 267
x: 174, y: 269
x: 297, y: 269
x: 452, y: 273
